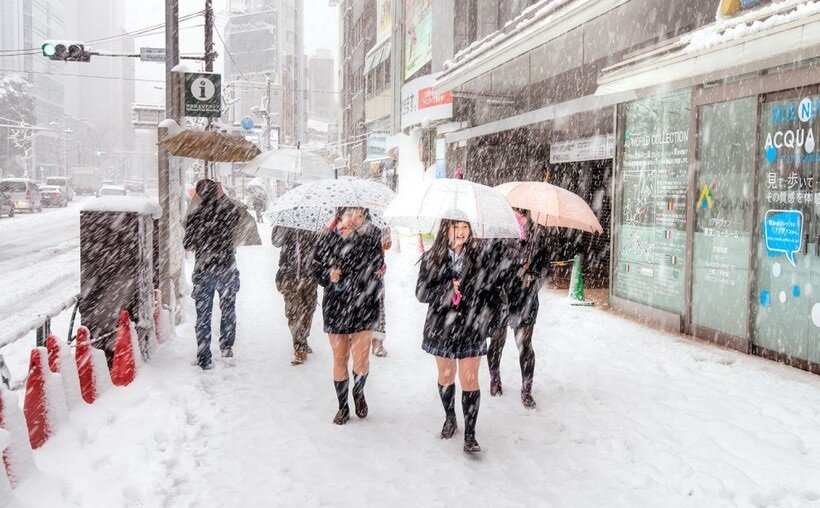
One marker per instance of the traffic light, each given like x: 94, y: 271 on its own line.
x: 66, y: 51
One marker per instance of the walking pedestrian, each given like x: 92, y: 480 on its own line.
x: 296, y: 281
x: 531, y: 258
x: 211, y: 231
x: 346, y: 264
x: 260, y: 204
x: 457, y: 290
x: 380, y: 332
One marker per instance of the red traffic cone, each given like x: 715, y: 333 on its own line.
x: 17, y: 456
x: 35, y: 406
x: 53, y: 349
x: 85, y: 365
x: 124, y: 366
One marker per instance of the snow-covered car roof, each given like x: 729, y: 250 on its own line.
x: 114, y: 187
x: 49, y: 187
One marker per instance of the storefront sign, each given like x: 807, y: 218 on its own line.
x: 384, y: 19
x: 783, y: 232
x: 579, y: 150
x: 418, y: 42
x: 377, y: 145
x: 419, y: 103
x: 651, y: 224
x: 203, y: 95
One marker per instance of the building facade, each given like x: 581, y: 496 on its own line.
x: 264, y: 39
x: 321, y: 76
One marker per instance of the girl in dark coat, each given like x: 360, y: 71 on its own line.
x: 531, y: 262
x: 452, y: 283
x: 347, y: 260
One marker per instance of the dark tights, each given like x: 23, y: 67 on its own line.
x: 526, y: 355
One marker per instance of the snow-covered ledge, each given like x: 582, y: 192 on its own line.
x: 536, y: 26
x: 132, y: 204
x: 722, y: 50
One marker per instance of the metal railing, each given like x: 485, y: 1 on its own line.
x: 42, y: 326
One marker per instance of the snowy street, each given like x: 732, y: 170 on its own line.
x: 626, y: 416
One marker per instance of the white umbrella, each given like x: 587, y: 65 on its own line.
x: 289, y: 165
x: 312, y: 205
x: 420, y: 208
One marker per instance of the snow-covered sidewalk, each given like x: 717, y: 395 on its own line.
x: 627, y: 416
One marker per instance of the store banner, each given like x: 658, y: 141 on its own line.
x: 419, y: 103
x: 418, y: 41
x: 384, y: 19
x: 580, y: 150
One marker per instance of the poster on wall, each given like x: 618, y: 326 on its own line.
x: 651, y: 226
x: 418, y: 41
x: 384, y: 19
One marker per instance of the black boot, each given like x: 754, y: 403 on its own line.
x: 470, y: 402
x: 343, y: 415
x: 448, y: 400
x: 526, y: 393
x: 358, y: 395
x: 495, y: 383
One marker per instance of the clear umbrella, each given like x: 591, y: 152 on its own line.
x: 312, y: 205
x: 420, y: 207
x: 289, y: 165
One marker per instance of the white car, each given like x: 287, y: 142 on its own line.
x: 112, y: 190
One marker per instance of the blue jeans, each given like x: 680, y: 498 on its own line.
x: 226, y: 283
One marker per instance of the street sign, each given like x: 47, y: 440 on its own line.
x: 203, y: 94
x: 144, y: 115
x: 247, y: 123
x: 152, y: 54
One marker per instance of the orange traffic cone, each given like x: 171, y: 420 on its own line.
x: 85, y: 365
x: 17, y: 456
x: 59, y: 361
x: 124, y: 366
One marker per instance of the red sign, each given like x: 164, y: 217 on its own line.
x: 427, y: 99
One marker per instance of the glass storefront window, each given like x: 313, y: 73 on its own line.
x: 650, y: 225
x: 787, y: 303
x: 723, y: 197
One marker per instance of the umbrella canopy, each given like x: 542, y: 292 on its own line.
x: 551, y: 205
x: 290, y: 165
x: 312, y: 205
x: 210, y: 146
x: 420, y: 207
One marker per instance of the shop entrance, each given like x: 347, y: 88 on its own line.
x: 787, y: 271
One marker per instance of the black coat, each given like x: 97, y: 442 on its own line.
x: 211, y: 231
x: 533, y: 260
x: 352, y: 305
x: 456, y: 331
x: 298, y: 248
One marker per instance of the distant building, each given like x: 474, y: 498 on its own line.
x: 323, y: 104
x: 264, y: 39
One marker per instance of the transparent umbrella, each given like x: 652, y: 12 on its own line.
x: 420, y: 207
x: 312, y: 205
x: 289, y: 165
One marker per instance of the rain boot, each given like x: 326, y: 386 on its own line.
x: 448, y: 400
x: 470, y: 402
x: 343, y: 415
x: 358, y: 395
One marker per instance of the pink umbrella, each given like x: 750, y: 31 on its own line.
x: 551, y: 205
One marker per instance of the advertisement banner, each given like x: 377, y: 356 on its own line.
x: 418, y: 41
x: 384, y: 19
x: 419, y: 103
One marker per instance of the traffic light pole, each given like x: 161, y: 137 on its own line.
x: 209, y: 63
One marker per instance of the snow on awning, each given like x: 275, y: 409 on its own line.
x: 132, y: 204
x: 779, y: 34
x: 376, y: 56
x: 537, y: 25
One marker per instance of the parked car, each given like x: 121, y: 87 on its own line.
x: 64, y: 182
x: 54, y: 196
x: 112, y: 190
x: 6, y: 205
x: 134, y: 185
x: 23, y: 192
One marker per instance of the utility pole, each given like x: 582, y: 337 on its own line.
x: 397, y: 65
x: 209, y: 62
x: 164, y: 158
x: 267, y: 109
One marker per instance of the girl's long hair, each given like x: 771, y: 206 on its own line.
x: 440, y: 248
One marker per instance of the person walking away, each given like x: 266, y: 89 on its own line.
x: 296, y: 281
x: 380, y: 332
x: 451, y: 282
x: 259, y: 205
x: 531, y: 257
x: 210, y: 231
x: 346, y: 264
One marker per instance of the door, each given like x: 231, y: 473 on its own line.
x: 787, y: 272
